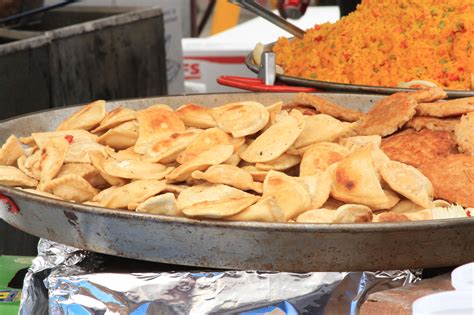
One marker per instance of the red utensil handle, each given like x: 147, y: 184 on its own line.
x: 257, y: 85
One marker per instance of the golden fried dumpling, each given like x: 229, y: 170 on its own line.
x: 235, y: 157
x: 318, y: 186
x: 122, y: 155
x: 354, y: 180
x: 319, y: 156
x: 352, y: 213
x: 356, y: 142
x: 196, y: 116
x: 317, y: 216
x: 228, y: 175
x: 204, y: 141
x: 167, y: 150
x: 81, y: 143
x: 87, y: 118
x: 405, y: 206
x: 52, y: 158
x: 98, y: 160
x: 283, y: 162
x: 155, y: 124
x: 264, y: 210
x: 215, y: 155
x: 164, y: 204
x: 409, y: 182
x: 134, y: 192
x: 292, y: 197
x: 21, y: 163
x: 86, y: 171
x: 214, y: 201
x: 241, y: 119
x: 133, y: 169
x: 393, y: 199
x: 70, y: 187
x: 114, y: 118
x: 273, y: 110
x: 274, y: 141
x: 11, y: 151
x: 120, y: 137
x: 13, y: 177
x: 322, y: 128
x: 258, y: 175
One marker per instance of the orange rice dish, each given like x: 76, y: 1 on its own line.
x: 384, y: 43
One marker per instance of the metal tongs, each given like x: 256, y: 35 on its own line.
x: 268, y: 15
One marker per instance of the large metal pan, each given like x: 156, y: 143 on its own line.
x: 341, y: 87
x: 234, y: 245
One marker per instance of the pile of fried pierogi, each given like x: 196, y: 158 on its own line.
x: 409, y: 158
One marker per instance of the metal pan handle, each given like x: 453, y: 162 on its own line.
x: 257, y: 9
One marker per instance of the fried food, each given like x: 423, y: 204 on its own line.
x: 322, y: 128
x: 214, y: 201
x: 13, y: 177
x: 114, y: 118
x: 229, y: 175
x: 264, y: 210
x: 87, y: 118
x: 320, y: 156
x: 11, y: 151
x: 355, y: 180
x: 409, y: 182
x: 155, y: 124
x: 418, y: 148
x: 352, y: 213
x: 356, y: 142
x: 452, y: 177
x: 432, y: 123
x: 388, y: 115
x: 241, y: 119
x: 120, y: 137
x: 164, y: 204
x: 292, y: 197
x: 283, y: 162
x: 274, y: 141
x: 70, y: 187
x: 432, y: 94
x: 464, y: 132
x: 317, y: 216
x: 197, y: 116
x: 449, y: 108
x: 326, y: 107
x: 294, y: 163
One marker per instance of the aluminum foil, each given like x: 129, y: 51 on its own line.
x: 66, y: 280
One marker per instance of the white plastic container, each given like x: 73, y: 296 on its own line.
x: 462, y: 278
x: 445, y: 303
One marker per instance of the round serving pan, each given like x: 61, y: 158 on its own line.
x: 341, y: 87
x: 233, y: 245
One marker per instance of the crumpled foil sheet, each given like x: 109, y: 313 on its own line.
x: 66, y: 280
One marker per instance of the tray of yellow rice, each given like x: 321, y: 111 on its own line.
x: 383, y: 47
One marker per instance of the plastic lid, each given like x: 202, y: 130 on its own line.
x: 462, y: 278
x: 445, y: 303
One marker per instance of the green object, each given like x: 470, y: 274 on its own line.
x: 10, y: 297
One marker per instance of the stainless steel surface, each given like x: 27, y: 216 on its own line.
x: 234, y: 245
x: 267, y: 71
x: 257, y: 9
x: 342, y: 87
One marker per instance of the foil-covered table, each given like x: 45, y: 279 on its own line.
x: 67, y: 280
